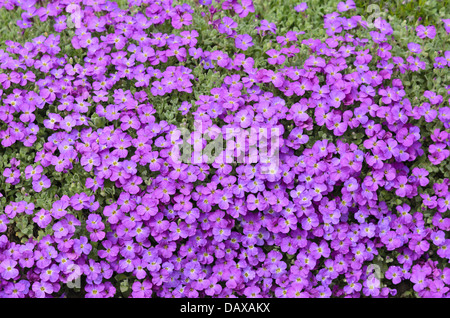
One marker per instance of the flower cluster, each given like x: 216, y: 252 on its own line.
x: 349, y: 191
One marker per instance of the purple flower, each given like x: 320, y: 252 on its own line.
x: 81, y: 246
x: 41, y: 289
x: 275, y: 57
x: 227, y: 25
x: 142, y: 289
x: 421, y: 175
x: 426, y: 31
x: 345, y: 6
x: 42, y: 183
x: 414, y: 48
x: 301, y: 7
x: 8, y: 269
x: 243, y: 41
x: 244, y: 8
x: 12, y: 175
x: 446, y: 25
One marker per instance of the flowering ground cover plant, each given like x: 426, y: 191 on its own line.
x: 101, y: 194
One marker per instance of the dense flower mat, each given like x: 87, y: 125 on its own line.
x: 96, y: 94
